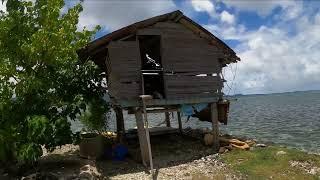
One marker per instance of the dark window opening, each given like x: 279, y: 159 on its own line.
x: 152, y: 72
x: 150, y: 52
x: 153, y: 84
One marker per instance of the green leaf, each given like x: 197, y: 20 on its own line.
x: 42, y: 82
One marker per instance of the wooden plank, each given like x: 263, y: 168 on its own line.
x: 154, y: 131
x: 165, y: 102
x: 215, y: 126
x: 162, y: 110
x: 186, y: 53
x: 195, y: 29
x: 179, y: 121
x: 144, y: 98
x: 150, y: 31
x: 196, y: 86
x: 198, y: 95
x: 158, y: 110
x: 192, y: 92
x: 168, y: 25
x: 189, y: 82
x: 191, y: 63
x: 142, y: 138
x: 124, y: 90
x: 167, y: 118
x: 125, y: 64
x: 209, y: 88
x: 123, y: 78
x: 173, y: 79
x: 120, y: 124
x: 196, y: 49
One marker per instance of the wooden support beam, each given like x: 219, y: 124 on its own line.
x: 179, y: 121
x: 145, y: 98
x: 165, y: 110
x: 156, y: 110
x: 142, y: 138
x: 215, y: 126
x: 167, y: 119
x: 120, y: 124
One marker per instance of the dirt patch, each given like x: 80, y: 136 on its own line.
x: 175, y: 157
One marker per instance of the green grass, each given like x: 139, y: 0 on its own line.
x: 264, y: 163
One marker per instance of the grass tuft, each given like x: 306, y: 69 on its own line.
x: 268, y: 163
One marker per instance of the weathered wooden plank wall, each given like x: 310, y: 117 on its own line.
x: 179, y: 86
x: 124, y: 65
x: 187, y: 54
x: 183, y: 52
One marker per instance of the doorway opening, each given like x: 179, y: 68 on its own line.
x: 151, y: 65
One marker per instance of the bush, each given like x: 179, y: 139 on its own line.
x: 42, y: 83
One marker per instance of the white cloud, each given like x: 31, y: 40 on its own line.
x: 227, y: 31
x: 276, y: 61
x: 261, y: 7
x: 203, y: 6
x: 112, y: 15
x: 227, y: 17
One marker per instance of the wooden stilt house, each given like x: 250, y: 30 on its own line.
x: 169, y: 58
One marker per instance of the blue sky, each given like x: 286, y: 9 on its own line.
x: 278, y: 41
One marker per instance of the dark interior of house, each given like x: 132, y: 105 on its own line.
x: 151, y: 66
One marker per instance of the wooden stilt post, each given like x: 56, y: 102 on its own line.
x: 144, y: 98
x: 120, y: 124
x: 179, y: 121
x: 215, y: 126
x: 167, y: 119
x: 142, y: 138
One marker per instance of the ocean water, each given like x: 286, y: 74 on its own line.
x: 290, y: 119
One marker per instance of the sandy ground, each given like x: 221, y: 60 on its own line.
x: 175, y: 157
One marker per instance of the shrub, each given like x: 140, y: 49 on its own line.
x: 42, y: 83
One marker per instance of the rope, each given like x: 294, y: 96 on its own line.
x: 234, y: 73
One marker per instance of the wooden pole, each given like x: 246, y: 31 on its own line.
x: 142, y: 138
x: 144, y: 98
x: 167, y: 119
x: 215, y: 126
x: 179, y: 121
x: 120, y: 124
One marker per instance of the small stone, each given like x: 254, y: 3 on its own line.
x: 86, y: 174
x: 229, y: 147
x: 85, y: 168
x: 312, y: 171
x: 281, y: 153
x: 222, y: 150
x: 261, y: 145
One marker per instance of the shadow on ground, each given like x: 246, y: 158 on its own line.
x: 168, y: 150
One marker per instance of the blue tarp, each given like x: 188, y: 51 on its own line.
x: 187, y: 109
